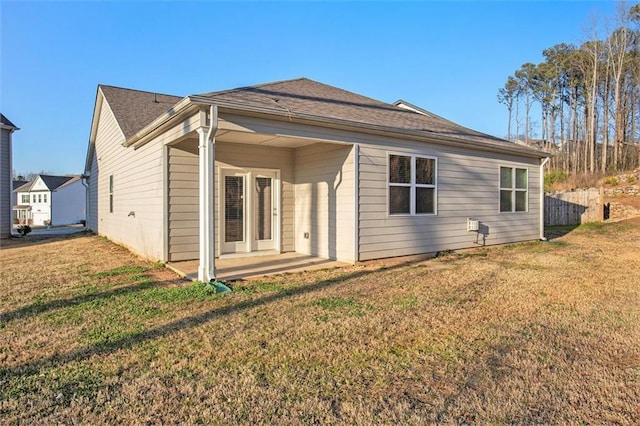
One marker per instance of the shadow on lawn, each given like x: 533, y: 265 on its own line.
x: 38, y: 240
x: 176, y: 326
x: 38, y: 308
x: 553, y: 232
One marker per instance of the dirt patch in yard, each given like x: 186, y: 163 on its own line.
x: 526, y: 333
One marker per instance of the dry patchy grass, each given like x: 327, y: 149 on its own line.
x: 528, y: 333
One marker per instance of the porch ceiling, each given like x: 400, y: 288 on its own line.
x: 263, y: 139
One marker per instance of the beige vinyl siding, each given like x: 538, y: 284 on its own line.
x: 467, y: 186
x: 183, y: 202
x: 244, y: 156
x: 5, y: 183
x: 137, y: 218
x: 324, y: 208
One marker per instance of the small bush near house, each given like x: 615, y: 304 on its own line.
x: 611, y: 180
x: 553, y: 177
x: 24, y: 230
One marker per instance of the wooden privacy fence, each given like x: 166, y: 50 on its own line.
x: 574, y: 207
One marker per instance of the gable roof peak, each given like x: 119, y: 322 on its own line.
x: 134, y: 109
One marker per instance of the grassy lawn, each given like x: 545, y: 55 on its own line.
x: 528, y: 333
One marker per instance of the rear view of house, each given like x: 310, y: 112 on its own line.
x: 50, y: 200
x: 6, y: 169
x: 300, y: 166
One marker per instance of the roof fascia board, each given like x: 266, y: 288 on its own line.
x: 94, y: 130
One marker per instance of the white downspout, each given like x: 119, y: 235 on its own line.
x: 211, y: 205
x: 84, y: 179
x: 542, y: 164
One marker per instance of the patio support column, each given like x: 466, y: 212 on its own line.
x: 203, y: 211
x: 206, y: 186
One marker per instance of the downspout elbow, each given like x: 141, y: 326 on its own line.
x: 213, y: 123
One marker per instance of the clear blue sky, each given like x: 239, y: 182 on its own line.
x: 448, y: 57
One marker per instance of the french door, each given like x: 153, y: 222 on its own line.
x: 248, y: 210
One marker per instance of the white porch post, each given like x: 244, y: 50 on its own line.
x: 203, y: 192
x: 206, y: 188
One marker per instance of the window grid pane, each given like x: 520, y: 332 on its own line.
x: 425, y: 171
x: 425, y: 200
x: 505, y: 201
x: 399, y: 200
x: 506, y: 177
x: 521, y: 201
x: 399, y: 169
x: 521, y: 178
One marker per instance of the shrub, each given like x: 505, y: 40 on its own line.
x: 611, y: 180
x: 554, y: 176
x: 24, y: 230
x: 631, y: 179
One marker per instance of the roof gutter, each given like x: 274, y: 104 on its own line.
x: 190, y: 103
x: 375, y: 129
x: 11, y: 129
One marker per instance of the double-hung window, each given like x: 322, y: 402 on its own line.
x: 412, y: 185
x: 513, y: 189
x: 25, y: 198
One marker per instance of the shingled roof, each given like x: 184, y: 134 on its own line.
x: 304, y: 97
x: 299, y: 98
x: 52, y: 182
x: 134, y: 109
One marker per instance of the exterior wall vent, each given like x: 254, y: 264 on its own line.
x: 473, y: 225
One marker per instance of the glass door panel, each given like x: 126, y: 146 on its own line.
x: 233, y: 221
x: 263, y: 218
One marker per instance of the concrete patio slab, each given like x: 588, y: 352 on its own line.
x: 236, y: 268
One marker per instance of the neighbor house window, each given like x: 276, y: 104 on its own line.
x: 513, y: 189
x: 34, y: 198
x: 110, y: 193
x: 412, y: 185
x: 25, y: 198
x: 39, y: 198
x: 44, y: 197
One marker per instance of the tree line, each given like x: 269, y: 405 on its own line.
x: 588, y: 97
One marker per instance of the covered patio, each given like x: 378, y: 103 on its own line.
x: 249, y: 267
x: 258, y: 199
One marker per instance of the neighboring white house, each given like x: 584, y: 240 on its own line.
x: 6, y: 168
x: 51, y: 200
x: 300, y: 166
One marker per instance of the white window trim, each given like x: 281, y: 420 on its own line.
x: 513, y: 189
x: 413, y: 185
x: 111, y: 192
